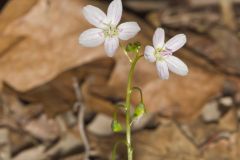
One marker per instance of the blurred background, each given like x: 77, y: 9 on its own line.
x: 44, y: 72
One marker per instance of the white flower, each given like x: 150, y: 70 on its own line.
x: 161, y: 53
x: 108, y: 31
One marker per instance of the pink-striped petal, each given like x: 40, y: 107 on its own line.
x: 94, y: 16
x: 158, y: 38
x: 149, y: 53
x: 162, y: 69
x: 176, y: 65
x: 114, y: 12
x: 128, y: 30
x: 176, y: 42
x: 111, y: 45
x: 92, y: 37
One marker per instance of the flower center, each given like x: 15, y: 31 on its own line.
x: 110, y: 31
x: 161, y: 52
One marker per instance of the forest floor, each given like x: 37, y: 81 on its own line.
x: 188, y: 118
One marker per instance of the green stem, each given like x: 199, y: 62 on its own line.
x: 126, y: 53
x: 128, y: 113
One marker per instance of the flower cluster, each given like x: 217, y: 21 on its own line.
x: 108, y: 31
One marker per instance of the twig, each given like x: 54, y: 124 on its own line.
x: 228, y: 14
x: 81, y: 108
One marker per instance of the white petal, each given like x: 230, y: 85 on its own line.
x: 162, y: 69
x: 158, y: 38
x: 149, y: 53
x: 176, y: 42
x: 114, y: 12
x: 94, y: 15
x: 111, y: 45
x: 176, y: 65
x: 128, y: 30
x: 92, y: 37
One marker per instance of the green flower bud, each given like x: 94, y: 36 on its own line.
x: 116, y: 126
x: 133, y: 47
x: 139, y: 110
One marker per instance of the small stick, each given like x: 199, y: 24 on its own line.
x: 81, y: 109
x: 228, y: 14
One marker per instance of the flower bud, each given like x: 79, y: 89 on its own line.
x: 116, y: 126
x: 139, y: 110
x: 133, y: 47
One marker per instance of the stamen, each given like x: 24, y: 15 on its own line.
x: 161, y: 52
x: 166, y: 52
x: 110, y: 31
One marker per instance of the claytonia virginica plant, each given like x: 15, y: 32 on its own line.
x: 108, y: 31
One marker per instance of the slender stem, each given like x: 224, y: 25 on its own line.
x: 126, y: 53
x: 140, y: 91
x: 128, y: 113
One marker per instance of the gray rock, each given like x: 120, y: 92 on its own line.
x: 211, y: 112
x: 226, y: 101
x: 101, y: 125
